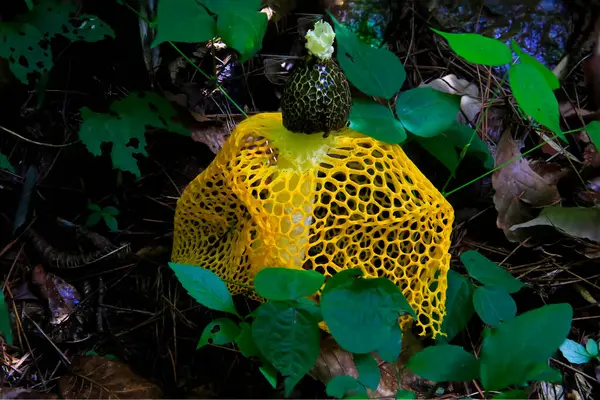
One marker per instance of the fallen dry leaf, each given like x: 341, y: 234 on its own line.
x: 574, y: 221
x: 568, y: 110
x: 592, y: 253
x: 22, y: 393
x: 68, y: 316
x: 551, y: 391
x: 494, y: 123
x: 180, y: 98
x: 62, y: 298
x: 591, y: 156
x: 519, y: 187
x: 552, y: 147
x: 555, y: 391
x: 334, y: 361
x: 99, y: 377
x: 212, y: 134
x: 470, y: 104
x: 587, y: 296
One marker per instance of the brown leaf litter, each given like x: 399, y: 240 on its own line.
x: 22, y: 393
x: 520, y: 186
x: 213, y: 135
x: 96, y: 377
x: 334, y: 361
x: 579, y: 222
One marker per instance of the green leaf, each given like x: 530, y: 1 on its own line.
x: 289, y: 338
x: 488, y: 272
x: 287, y: 284
x: 460, y: 135
x: 377, y: 121
x: 15, y: 44
x: 517, y: 346
x: 98, y: 128
x: 111, y: 222
x: 88, y: 28
x: 149, y: 109
x: 342, y: 277
x: 459, y: 306
x: 55, y: 18
x: 368, y: 370
x: 308, y: 305
x: 360, y: 313
x: 219, y: 6
x: 94, y: 207
x: 443, y: 363
x: 134, y: 113
x: 414, y: 106
x: 245, y: 341
x: 593, y: 131
x: 29, y: 4
x: 5, y: 324
x: 24, y: 43
x: 591, y: 346
x: 184, y: 21
x: 574, y: 352
x: 441, y: 148
x: 219, y: 331
x: 341, y: 386
x: 402, y: 394
x: 534, y: 96
x: 574, y: 221
x: 4, y: 163
x: 544, y: 373
x: 374, y: 71
x: 549, y: 76
x: 270, y: 374
x: 204, y: 286
x: 110, y: 210
x: 242, y: 30
x: 478, y: 49
x: 49, y: 17
x: 93, y: 219
x: 390, y: 350
x: 494, y: 305
x: 513, y: 394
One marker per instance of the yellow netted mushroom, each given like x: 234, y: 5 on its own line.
x: 276, y: 198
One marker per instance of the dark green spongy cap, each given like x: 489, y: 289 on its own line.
x: 316, y: 98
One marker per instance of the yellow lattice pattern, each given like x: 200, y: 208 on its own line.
x: 272, y: 198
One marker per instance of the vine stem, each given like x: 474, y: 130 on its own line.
x: 463, y: 153
x: 190, y: 62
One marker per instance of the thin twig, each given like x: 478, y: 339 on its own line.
x: 574, y: 370
x: 36, y: 142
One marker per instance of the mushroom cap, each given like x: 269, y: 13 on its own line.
x: 274, y: 198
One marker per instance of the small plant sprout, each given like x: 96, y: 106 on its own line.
x: 108, y: 214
